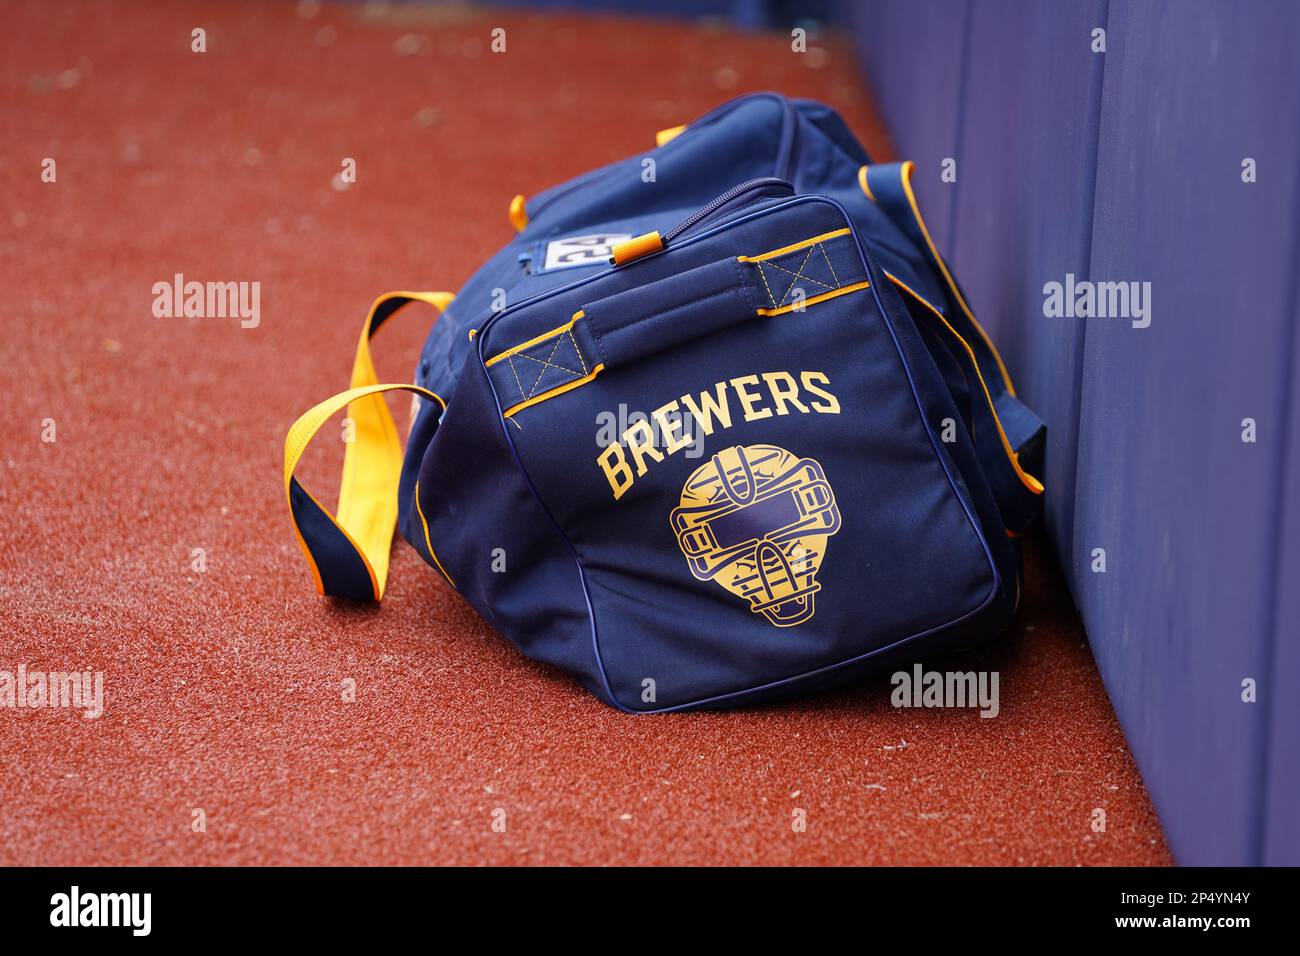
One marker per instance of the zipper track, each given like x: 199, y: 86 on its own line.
x: 705, y: 211
x: 517, y: 307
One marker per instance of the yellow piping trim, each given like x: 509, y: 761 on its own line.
x: 916, y: 211
x: 862, y: 181
x: 427, y: 542
x: 551, y: 393
x: 817, y: 298
x: 785, y: 250
x: 311, y: 560
x: 536, y: 340
x: 668, y: 135
x: 1028, y: 480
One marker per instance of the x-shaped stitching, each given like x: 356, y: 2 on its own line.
x: 799, y: 275
x: 547, y: 363
x: 578, y: 352
x: 510, y: 360
x: 826, y: 256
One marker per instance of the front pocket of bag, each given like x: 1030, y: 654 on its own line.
x: 800, y: 517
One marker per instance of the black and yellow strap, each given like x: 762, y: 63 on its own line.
x: 348, y: 554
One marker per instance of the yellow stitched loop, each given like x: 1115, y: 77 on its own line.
x: 536, y: 339
x: 813, y: 249
x: 795, y: 247
x: 372, y: 460
x: 367, y: 522
x: 842, y: 290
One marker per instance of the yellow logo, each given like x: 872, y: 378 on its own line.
x: 755, y: 519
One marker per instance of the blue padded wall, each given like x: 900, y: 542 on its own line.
x: 1026, y: 198
x: 1126, y: 165
x: 922, y: 48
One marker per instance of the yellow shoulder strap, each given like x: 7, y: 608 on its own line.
x: 348, y: 554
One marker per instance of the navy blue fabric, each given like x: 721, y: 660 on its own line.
x: 341, y: 568
x: 630, y: 325
x: 737, y: 468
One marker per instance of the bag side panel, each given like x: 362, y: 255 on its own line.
x: 476, y: 520
x: 906, y: 562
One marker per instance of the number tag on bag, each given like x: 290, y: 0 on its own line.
x: 573, y: 251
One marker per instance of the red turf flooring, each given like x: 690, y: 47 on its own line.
x: 223, y: 687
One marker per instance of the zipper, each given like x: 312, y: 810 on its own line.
x: 491, y: 320
x: 651, y: 242
x: 731, y: 194
x: 694, y: 219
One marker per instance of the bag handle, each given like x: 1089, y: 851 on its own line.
x: 672, y: 309
x: 1017, y: 445
x: 348, y: 554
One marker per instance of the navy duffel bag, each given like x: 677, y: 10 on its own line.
x: 717, y: 426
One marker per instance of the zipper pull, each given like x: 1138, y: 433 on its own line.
x: 635, y: 248
x: 649, y: 242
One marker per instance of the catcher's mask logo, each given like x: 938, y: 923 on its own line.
x: 754, y: 518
